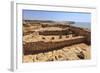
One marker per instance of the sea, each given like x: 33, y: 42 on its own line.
x: 85, y: 25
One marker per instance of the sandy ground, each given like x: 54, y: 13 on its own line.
x: 74, y: 52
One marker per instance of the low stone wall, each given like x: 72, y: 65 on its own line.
x: 82, y: 32
x: 36, y: 47
x: 60, y: 32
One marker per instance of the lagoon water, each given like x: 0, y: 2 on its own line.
x: 82, y: 25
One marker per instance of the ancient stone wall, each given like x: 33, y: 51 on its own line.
x: 60, y: 32
x: 36, y: 47
x: 55, y: 25
x: 82, y: 32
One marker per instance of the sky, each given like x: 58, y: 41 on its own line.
x: 56, y: 16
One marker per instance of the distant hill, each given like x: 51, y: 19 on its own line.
x: 48, y: 21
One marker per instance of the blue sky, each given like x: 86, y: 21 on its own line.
x: 56, y: 16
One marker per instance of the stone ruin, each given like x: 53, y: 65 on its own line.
x: 79, y: 35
